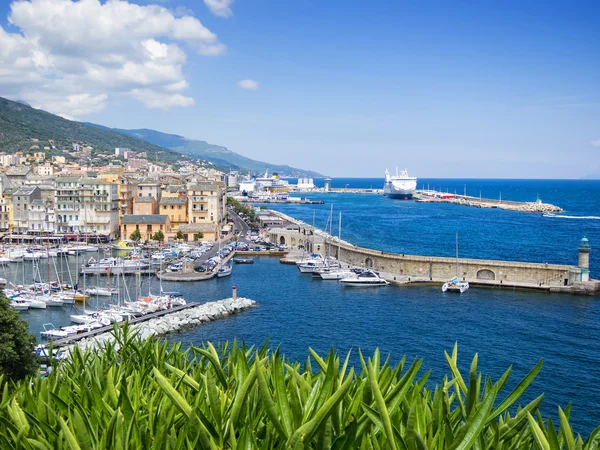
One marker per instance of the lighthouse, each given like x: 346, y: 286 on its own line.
x: 584, y: 259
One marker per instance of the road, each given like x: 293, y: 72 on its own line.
x: 238, y: 224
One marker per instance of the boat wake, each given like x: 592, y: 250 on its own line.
x: 575, y: 217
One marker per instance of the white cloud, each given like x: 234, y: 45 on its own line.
x: 595, y: 143
x: 221, y: 8
x: 251, y: 85
x: 69, y: 57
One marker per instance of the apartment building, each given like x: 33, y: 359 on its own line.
x: 85, y: 204
x: 206, y: 203
x: 22, y: 199
x: 144, y: 205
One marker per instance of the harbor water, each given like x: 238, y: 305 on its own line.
x: 505, y: 327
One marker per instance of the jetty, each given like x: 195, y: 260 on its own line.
x: 429, y: 196
x: 161, y: 322
x: 402, y: 269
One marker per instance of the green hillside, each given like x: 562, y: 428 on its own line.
x: 210, y: 152
x: 21, y: 126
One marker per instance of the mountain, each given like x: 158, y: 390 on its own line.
x: 22, y: 127
x: 209, y: 152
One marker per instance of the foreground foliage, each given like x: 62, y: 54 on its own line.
x: 17, y: 359
x: 154, y: 395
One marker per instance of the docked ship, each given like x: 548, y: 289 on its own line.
x: 399, y: 186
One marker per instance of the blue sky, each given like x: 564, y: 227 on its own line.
x: 445, y: 89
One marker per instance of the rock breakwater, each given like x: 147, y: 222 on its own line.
x: 533, y: 207
x: 175, y: 322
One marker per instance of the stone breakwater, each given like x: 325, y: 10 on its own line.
x: 533, y: 207
x: 174, y: 322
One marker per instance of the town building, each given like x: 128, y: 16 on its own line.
x: 85, y: 204
x: 22, y: 199
x: 144, y: 205
x: 176, y: 208
x: 206, y: 203
x: 147, y: 224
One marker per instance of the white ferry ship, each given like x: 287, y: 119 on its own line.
x: 399, y: 186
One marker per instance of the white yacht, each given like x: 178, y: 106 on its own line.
x: 399, y: 186
x: 335, y: 273
x: 367, y: 278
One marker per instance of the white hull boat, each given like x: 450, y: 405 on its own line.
x: 335, y: 274
x: 367, y: 278
x: 19, y: 305
x: 224, y: 271
x: 455, y: 285
x: 101, y: 292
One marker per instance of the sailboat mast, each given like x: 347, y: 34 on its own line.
x: 457, y: 253
x: 339, y: 255
x: 312, y: 249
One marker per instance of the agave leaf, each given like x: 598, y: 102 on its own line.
x: 538, y: 434
x: 517, y: 391
x: 476, y: 423
x: 565, y: 429
x: 381, y: 406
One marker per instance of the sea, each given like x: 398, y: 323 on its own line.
x: 505, y: 327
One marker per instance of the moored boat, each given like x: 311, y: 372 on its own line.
x: 367, y: 278
x: 243, y: 260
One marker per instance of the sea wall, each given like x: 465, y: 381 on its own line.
x: 430, y: 268
x: 174, y: 322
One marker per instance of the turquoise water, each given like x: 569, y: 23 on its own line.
x: 506, y: 327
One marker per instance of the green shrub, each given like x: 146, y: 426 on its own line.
x: 154, y: 395
x: 17, y: 357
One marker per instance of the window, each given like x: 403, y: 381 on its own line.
x: 149, y: 228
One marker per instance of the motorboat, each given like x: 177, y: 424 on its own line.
x: 335, y: 274
x: 455, y: 285
x: 311, y: 266
x: 19, y: 305
x: 243, y: 260
x: 52, y: 301
x: 224, y: 271
x: 101, y: 292
x: 366, y: 278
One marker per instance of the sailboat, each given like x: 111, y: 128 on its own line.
x: 455, y: 284
x: 337, y: 272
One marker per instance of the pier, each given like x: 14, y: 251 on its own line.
x: 162, y: 322
x: 404, y: 269
x: 429, y: 196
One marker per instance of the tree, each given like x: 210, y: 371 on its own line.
x: 17, y: 357
x: 159, y: 236
x: 136, y: 235
x: 179, y: 235
x: 198, y: 236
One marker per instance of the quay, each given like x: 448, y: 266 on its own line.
x: 162, y: 322
x: 429, y: 196
x: 404, y: 269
